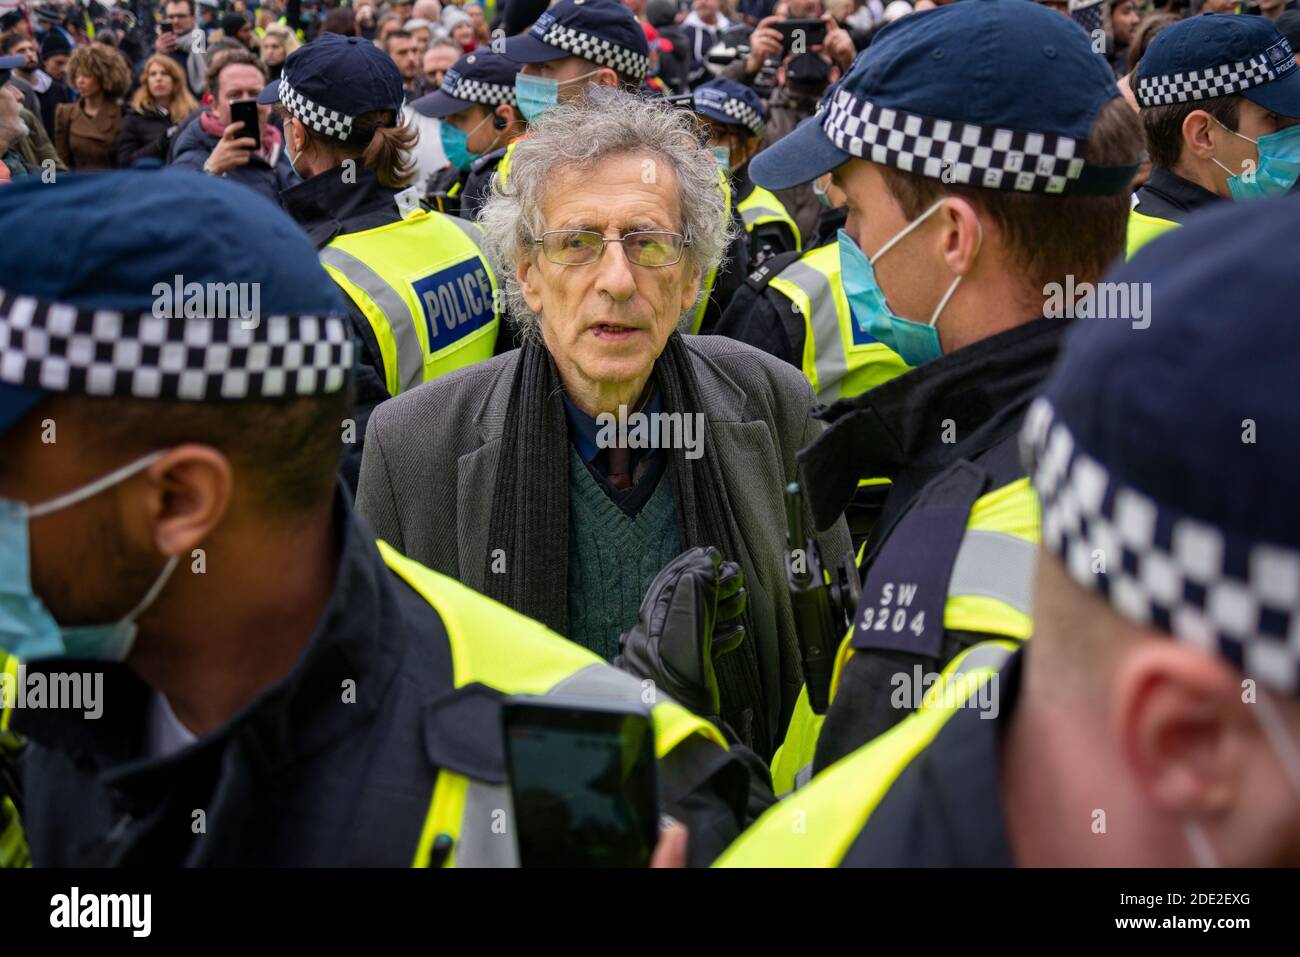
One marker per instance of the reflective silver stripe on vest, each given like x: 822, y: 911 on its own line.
x: 803, y: 776
x: 985, y: 655
x: 828, y: 344
x: 473, y: 231
x: 487, y: 828
x: 410, y: 353
x: 996, y: 565
x: 752, y: 214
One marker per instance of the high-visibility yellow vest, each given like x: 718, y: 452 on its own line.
x: 498, y: 647
x: 13, y: 842
x: 1142, y: 229
x: 839, y: 359
x: 817, y: 826
x: 425, y: 286
x: 761, y: 206
x: 706, y: 286
x: 1002, y: 532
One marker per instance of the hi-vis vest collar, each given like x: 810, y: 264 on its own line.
x: 495, y: 652
x: 897, y: 426
x: 817, y: 826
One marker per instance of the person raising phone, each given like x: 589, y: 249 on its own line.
x: 220, y: 143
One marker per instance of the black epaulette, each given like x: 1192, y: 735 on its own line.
x: 760, y: 277
x: 487, y: 158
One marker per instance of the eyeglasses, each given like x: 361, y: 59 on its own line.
x: 581, y: 247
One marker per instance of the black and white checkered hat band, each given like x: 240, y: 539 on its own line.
x: 319, y: 118
x: 1234, y: 597
x: 627, y: 62
x: 476, y: 91
x: 101, y: 352
x: 1204, y: 84
x: 953, y: 151
x: 744, y: 114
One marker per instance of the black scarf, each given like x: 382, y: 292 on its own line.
x: 530, y: 511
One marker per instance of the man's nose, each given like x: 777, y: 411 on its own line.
x: 614, y: 273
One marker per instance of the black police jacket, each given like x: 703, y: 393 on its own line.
x: 1166, y: 195
x: 301, y: 776
x: 766, y: 319
x: 894, y: 431
x: 945, y: 808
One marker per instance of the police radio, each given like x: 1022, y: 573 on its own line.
x: 823, y: 611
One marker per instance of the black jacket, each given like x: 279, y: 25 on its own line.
x: 765, y: 318
x: 1166, y: 195
x: 192, y: 145
x: 945, y: 809
x: 300, y: 777
x: 143, y: 136
x: 894, y: 431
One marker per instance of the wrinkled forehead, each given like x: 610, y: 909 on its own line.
x: 620, y: 190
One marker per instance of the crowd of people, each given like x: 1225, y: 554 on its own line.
x: 897, y: 390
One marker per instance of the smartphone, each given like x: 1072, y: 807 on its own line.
x: 165, y: 27
x: 582, y: 783
x: 245, y: 111
x: 811, y: 29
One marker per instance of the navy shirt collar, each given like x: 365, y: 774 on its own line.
x: 584, y: 430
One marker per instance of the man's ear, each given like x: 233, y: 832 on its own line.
x: 606, y: 77
x: 1182, y: 727
x: 962, y: 236
x: 530, y: 278
x: 691, y: 290
x: 1196, y: 134
x: 299, y: 134
x: 188, y: 493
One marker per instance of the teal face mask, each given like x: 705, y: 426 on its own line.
x: 916, y: 343
x: 722, y: 156
x: 27, y: 629
x: 821, y: 194
x: 455, y: 143
x: 537, y: 94
x: 1279, y: 165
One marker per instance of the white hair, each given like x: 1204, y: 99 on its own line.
x: 602, y: 124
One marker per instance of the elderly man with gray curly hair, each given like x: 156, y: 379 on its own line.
x: 612, y: 457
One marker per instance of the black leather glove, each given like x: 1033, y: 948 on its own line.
x: 691, y: 615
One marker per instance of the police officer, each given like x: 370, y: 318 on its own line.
x: 793, y: 306
x: 734, y: 118
x: 574, y: 45
x: 422, y: 296
x: 479, y: 119
x: 1219, y: 97
x: 278, y: 688
x: 1154, y: 719
x: 967, y: 201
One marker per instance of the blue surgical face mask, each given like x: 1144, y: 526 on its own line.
x: 455, y: 143
x: 1279, y: 165
x: 537, y: 94
x: 722, y: 156
x: 915, y: 342
x: 27, y: 629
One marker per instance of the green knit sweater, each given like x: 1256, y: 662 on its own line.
x: 613, y: 558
